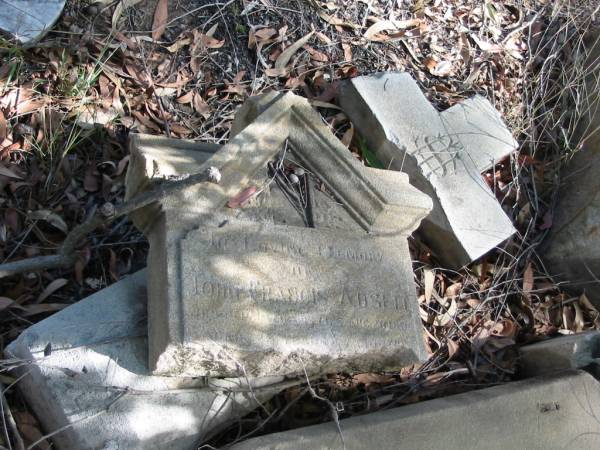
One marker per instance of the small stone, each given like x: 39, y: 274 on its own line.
x: 107, y: 210
x: 299, y: 171
x: 214, y: 175
x: 294, y: 178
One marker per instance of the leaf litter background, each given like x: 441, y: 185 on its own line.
x: 181, y: 68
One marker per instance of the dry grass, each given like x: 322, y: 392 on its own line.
x: 528, y: 58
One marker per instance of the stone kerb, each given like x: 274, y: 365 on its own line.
x: 194, y: 286
x: 558, y: 411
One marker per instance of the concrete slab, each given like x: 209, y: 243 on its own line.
x: 443, y: 154
x: 29, y: 20
x: 84, y: 371
x: 576, y: 351
x: 251, y: 289
x: 571, y: 251
x: 559, y: 411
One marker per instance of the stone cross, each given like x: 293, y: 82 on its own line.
x: 255, y: 291
x: 443, y: 154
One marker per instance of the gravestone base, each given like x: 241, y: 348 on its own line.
x: 85, y: 369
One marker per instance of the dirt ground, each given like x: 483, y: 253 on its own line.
x: 68, y: 103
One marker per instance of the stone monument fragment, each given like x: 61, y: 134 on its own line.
x: 557, y: 411
x: 443, y: 154
x: 574, y: 351
x: 84, y: 371
x: 571, y: 251
x: 314, y: 278
x: 29, y: 20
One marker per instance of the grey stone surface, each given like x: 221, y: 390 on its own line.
x: 558, y: 411
x: 156, y: 158
x: 275, y: 298
x: 29, y: 20
x: 85, y: 370
x: 443, y: 154
x: 575, y: 351
x: 373, y: 210
x: 572, y: 249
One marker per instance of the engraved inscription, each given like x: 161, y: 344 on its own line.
x: 253, y: 286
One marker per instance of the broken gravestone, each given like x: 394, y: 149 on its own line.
x: 312, y: 274
x: 84, y: 373
x: 575, y: 351
x: 29, y: 20
x: 444, y: 155
x: 571, y: 251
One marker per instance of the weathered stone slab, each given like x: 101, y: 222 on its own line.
x: 29, y: 20
x: 158, y: 158
x: 370, y: 203
x: 85, y: 370
x: 444, y: 155
x: 558, y: 411
x: 572, y: 249
x: 577, y: 351
x: 272, y: 297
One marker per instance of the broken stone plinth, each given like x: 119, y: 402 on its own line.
x: 571, y: 251
x: 444, y: 155
x: 29, y: 20
x: 559, y: 411
x: 254, y: 290
x: 577, y: 351
x: 84, y: 370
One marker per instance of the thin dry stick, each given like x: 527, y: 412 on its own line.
x: 108, y: 212
x: 9, y: 423
x: 332, y: 408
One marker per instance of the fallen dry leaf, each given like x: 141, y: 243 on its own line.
x: 316, y: 55
x: 486, y: 46
x: 238, y: 200
x: 442, y: 69
x: 179, y: 44
x: 375, y: 31
x: 32, y: 310
x: 428, y: 281
x: 348, y: 135
x: 50, y: 217
x: 161, y: 15
x: 5, y: 171
x: 185, y: 98
x: 121, y: 6
x: 528, y: 281
x: 286, y: 55
x: 6, y: 302
x: 200, y: 105
x: 51, y: 289
x: 333, y: 20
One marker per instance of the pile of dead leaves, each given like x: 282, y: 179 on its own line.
x: 182, y: 68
